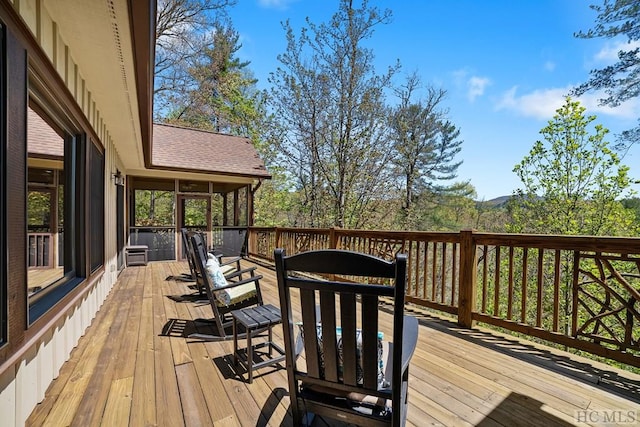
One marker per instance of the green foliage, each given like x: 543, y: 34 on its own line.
x: 154, y: 208
x: 572, y: 181
x: 632, y: 204
x: 223, y: 97
x: 330, y: 105
x: 39, y: 211
x: 620, y: 81
x: 183, y: 31
x: 276, y: 204
x: 425, y: 144
x: 195, y: 213
x: 573, y: 184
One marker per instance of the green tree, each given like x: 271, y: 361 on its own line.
x: 424, y: 142
x: 223, y: 97
x: 633, y: 204
x: 620, y: 81
x: 449, y: 210
x: 572, y: 181
x: 183, y: 30
x: 330, y: 104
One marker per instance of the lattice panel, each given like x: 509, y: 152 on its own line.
x: 386, y: 249
x: 263, y: 243
x: 382, y: 248
x: 608, y: 300
x: 302, y: 242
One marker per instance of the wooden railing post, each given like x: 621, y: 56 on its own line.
x: 333, y: 242
x: 277, y: 237
x: 467, y: 294
x: 250, y: 240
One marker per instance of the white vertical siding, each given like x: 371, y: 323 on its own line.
x: 8, y: 397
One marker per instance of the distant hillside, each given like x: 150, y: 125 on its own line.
x: 498, y: 202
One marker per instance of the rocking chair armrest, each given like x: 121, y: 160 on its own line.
x: 241, y: 282
x: 235, y: 259
x: 218, y: 254
x: 409, y: 340
x: 241, y: 272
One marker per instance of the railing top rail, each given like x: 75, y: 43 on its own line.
x: 625, y: 245
x: 401, y: 235
x: 152, y: 227
x: 254, y: 228
x: 304, y: 230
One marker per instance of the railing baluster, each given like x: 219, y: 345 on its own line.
x: 425, y: 272
x: 510, y: 284
x: 574, y: 288
x: 443, y: 273
x: 523, y: 297
x: 485, y: 268
x: 556, y: 290
x: 496, y: 284
x: 540, y: 284
x: 434, y: 271
x: 454, y: 273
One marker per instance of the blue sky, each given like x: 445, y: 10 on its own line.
x: 506, y: 66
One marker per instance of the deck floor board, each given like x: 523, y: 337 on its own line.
x: 134, y: 367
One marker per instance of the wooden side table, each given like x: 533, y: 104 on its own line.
x: 256, y: 320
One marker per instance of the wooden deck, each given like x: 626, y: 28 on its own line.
x: 134, y: 367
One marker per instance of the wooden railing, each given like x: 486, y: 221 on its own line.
x: 581, y: 292
x: 40, y: 250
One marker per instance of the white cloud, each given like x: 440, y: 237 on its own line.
x: 609, y: 53
x: 476, y: 86
x: 542, y: 104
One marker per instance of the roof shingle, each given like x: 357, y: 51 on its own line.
x: 183, y: 148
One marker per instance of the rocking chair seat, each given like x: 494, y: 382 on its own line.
x: 235, y: 295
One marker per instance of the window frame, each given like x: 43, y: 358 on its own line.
x: 4, y: 307
x: 75, y: 200
x: 96, y: 205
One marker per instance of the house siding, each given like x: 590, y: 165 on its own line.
x: 33, y: 356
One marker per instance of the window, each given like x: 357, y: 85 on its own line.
x: 55, y: 183
x: 3, y: 221
x: 45, y: 202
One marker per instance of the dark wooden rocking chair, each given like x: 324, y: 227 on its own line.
x: 229, y: 265
x: 245, y: 293
x: 351, y: 372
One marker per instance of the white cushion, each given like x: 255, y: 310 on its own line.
x: 231, y: 295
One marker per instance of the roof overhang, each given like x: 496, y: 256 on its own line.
x: 214, y: 156
x: 113, y: 44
